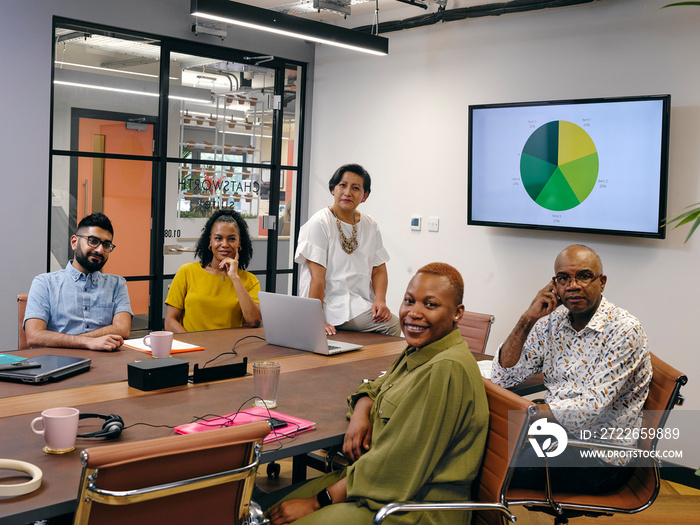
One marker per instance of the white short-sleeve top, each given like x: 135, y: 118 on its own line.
x: 348, y: 291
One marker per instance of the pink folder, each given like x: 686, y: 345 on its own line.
x: 294, y: 426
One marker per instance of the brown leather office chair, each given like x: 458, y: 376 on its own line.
x: 475, y: 329
x: 21, y: 307
x: 206, y: 477
x: 643, y: 487
x: 509, y: 419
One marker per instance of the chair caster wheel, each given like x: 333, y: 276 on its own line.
x: 273, y: 470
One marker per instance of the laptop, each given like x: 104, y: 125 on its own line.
x: 53, y: 368
x: 298, y: 322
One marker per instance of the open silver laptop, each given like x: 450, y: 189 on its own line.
x: 298, y: 322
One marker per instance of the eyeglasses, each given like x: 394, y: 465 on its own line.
x: 94, y: 242
x: 583, y: 278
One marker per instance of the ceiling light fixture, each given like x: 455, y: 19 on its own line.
x: 104, y: 88
x: 100, y: 68
x: 109, y: 69
x: 288, y: 25
x: 128, y: 86
x: 123, y: 91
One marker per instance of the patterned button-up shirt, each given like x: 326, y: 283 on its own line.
x: 596, y: 379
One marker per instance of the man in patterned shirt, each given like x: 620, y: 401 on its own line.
x: 595, y: 365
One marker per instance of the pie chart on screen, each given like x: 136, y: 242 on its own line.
x: 559, y: 165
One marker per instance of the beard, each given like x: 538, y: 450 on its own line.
x: 89, y: 265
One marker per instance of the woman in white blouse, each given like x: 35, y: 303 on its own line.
x: 343, y: 260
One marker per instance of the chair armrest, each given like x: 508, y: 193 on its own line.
x: 409, y: 506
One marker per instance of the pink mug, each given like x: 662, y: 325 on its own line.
x: 60, y: 427
x: 160, y: 343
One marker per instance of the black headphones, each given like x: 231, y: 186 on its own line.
x: 112, y: 427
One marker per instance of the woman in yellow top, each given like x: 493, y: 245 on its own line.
x: 216, y: 292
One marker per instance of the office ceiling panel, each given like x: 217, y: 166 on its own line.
x: 123, y: 51
x: 362, y: 12
x: 331, y: 11
x: 306, y: 8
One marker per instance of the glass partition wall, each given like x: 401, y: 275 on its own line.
x: 158, y: 134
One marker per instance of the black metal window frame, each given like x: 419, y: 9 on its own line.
x: 161, y: 160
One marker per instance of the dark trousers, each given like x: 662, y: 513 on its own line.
x: 568, y: 472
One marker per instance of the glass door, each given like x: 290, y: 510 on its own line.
x: 105, y: 116
x: 236, y: 147
x: 221, y: 134
x: 121, y: 189
x: 158, y: 134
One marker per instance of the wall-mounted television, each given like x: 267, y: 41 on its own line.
x: 588, y: 165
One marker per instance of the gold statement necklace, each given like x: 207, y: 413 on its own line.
x: 348, y: 245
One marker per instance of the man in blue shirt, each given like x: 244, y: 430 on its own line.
x: 79, y: 306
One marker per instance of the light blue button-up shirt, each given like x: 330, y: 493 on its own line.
x: 70, y: 302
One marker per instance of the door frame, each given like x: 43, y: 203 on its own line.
x: 76, y: 115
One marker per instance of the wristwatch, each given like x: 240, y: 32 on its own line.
x: 324, y: 498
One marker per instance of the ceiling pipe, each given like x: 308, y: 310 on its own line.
x: 450, y: 15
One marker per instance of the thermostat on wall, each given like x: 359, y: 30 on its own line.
x: 415, y: 222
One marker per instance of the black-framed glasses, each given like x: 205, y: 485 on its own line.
x: 94, y: 242
x: 583, y: 278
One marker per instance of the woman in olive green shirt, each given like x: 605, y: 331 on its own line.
x: 418, y: 432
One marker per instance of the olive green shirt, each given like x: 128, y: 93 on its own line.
x: 430, y: 419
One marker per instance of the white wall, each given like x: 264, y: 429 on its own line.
x: 25, y: 62
x: 404, y: 117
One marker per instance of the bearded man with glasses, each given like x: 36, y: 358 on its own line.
x: 79, y: 306
x: 596, y: 368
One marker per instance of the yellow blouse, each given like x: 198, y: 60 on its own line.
x: 208, y: 301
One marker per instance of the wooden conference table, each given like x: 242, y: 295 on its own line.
x: 312, y: 387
